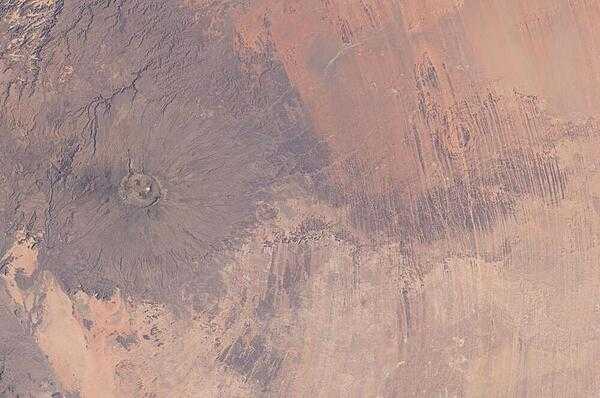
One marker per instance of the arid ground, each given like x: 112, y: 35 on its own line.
x: 299, y: 198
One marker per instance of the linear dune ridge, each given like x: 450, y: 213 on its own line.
x: 316, y: 198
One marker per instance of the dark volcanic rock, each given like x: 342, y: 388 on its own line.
x: 149, y: 88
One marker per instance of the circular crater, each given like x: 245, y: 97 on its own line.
x: 139, y: 190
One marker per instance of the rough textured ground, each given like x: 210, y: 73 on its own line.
x: 316, y: 198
